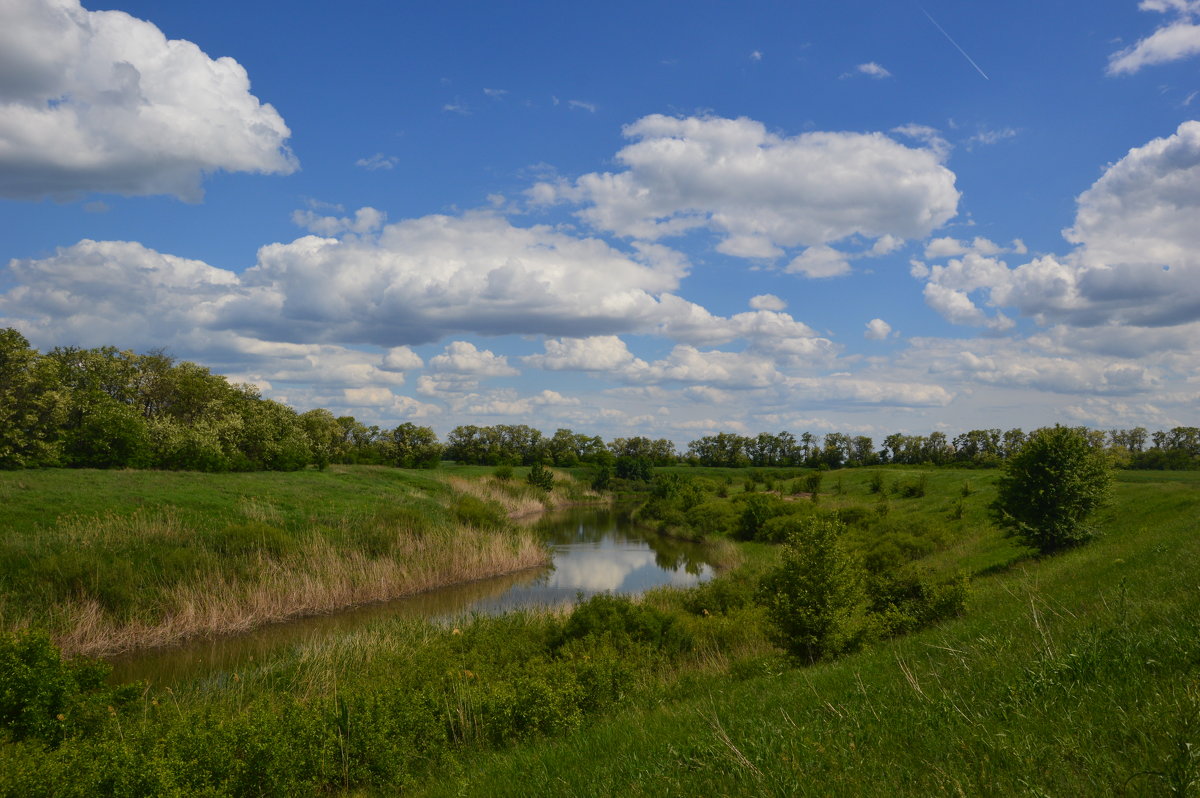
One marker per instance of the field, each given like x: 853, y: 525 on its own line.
x: 1077, y: 674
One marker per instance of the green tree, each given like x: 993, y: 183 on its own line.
x: 814, y: 598
x: 1051, y: 486
x: 33, y: 405
x: 415, y: 447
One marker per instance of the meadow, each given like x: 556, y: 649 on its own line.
x: 1065, y: 675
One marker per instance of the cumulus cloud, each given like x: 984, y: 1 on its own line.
x: 421, y: 279
x: 759, y: 191
x: 1138, y: 256
x: 877, y: 330
x: 1136, y: 262
x: 103, y: 101
x: 1174, y: 41
x: 598, y: 353
x: 767, y: 302
x: 462, y: 357
x: 820, y: 261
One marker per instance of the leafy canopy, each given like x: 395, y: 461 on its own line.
x: 1049, y: 488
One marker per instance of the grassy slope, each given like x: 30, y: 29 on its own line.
x: 118, y: 559
x: 1076, y: 675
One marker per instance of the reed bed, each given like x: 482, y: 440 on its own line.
x: 320, y: 579
x: 111, y: 582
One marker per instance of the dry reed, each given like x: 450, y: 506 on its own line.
x: 319, y: 579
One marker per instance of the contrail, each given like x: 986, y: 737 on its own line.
x: 961, y: 50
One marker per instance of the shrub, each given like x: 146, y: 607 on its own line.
x: 636, y: 469
x: 540, y: 477
x: 503, y: 473
x: 619, y: 621
x: 1050, y: 488
x: 757, y: 509
x: 813, y: 597
x: 713, y: 518
x: 875, y: 484
x: 44, y: 697
x: 903, y: 601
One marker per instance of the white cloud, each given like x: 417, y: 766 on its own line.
x: 365, y: 220
x: 931, y: 137
x: 687, y: 364
x: 598, y: 353
x: 103, y: 101
x: 986, y: 137
x: 1137, y: 261
x: 420, y: 279
x: 756, y: 55
x: 582, y: 106
x: 760, y: 191
x: 1178, y: 39
x: 1029, y: 363
x: 401, y: 358
x: 820, y: 261
x: 378, y: 161
x: 870, y: 69
x: 767, y: 302
x: 462, y: 357
x: 877, y: 330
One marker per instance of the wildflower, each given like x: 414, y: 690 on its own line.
x: 61, y: 716
x: 456, y: 631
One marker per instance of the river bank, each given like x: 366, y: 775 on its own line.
x: 113, y: 561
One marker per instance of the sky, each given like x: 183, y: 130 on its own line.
x: 653, y: 218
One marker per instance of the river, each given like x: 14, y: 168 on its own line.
x: 595, y: 550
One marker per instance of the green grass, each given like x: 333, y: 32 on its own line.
x: 1077, y: 674
x: 120, y: 559
x: 1073, y: 675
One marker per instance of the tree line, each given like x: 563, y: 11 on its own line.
x: 108, y: 408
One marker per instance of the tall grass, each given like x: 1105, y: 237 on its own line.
x: 159, y: 573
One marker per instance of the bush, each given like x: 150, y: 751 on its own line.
x: 813, y: 597
x: 44, y: 697
x: 635, y: 469
x: 903, y: 601
x: 540, y: 477
x: 620, y: 622
x: 757, y: 509
x: 1050, y: 488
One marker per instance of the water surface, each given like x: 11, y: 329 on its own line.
x: 594, y: 550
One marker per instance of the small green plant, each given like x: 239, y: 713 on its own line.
x: 967, y: 490
x: 875, y: 483
x: 503, y: 473
x: 540, y: 477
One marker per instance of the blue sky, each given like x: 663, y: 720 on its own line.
x: 624, y: 218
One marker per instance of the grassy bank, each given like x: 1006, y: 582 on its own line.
x: 1073, y: 675
x: 1077, y: 674
x: 114, y: 560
